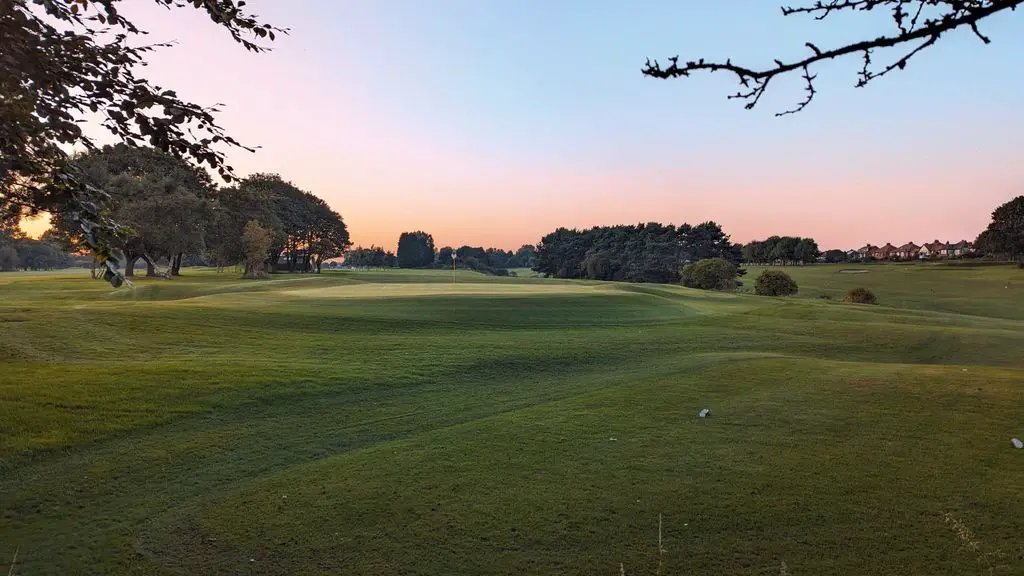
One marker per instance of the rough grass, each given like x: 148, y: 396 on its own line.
x: 391, y: 423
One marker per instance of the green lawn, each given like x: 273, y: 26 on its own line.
x: 392, y: 422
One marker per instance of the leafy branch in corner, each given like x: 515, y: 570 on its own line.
x: 62, y: 61
x: 919, y: 25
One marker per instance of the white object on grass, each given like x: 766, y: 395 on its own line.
x: 704, y: 413
x: 1016, y: 443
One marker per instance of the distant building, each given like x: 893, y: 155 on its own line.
x: 959, y: 249
x: 908, y: 251
x: 865, y: 251
x: 932, y: 249
x: 911, y: 251
x: 885, y: 252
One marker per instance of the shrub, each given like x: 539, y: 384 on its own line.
x: 861, y: 296
x: 774, y: 283
x: 710, y: 274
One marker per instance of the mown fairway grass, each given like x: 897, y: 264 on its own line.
x: 393, y: 423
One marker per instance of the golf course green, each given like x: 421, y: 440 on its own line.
x: 392, y: 422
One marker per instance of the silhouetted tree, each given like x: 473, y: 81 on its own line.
x: 415, y: 250
x: 835, y: 256
x: 472, y: 252
x: 372, y: 257
x: 919, y: 25
x: 444, y: 257
x: 9, y: 259
x: 781, y: 249
x: 649, y: 252
x: 525, y: 255
x: 1005, y: 234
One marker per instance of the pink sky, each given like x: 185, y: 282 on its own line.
x: 431, y: 142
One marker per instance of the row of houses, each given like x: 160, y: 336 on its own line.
x: 911, y: 251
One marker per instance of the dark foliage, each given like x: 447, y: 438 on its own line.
x: 861, y: 296
x: 649, y: 252
x: 372, y: 257
x: 415, y: 250
x: 524, y: 257
x: 919, y: 24
x: 162, y: 203
x: 775, y: 283
x: 836, y: 256
x: 64, y: 59
x: 781, y: 250
x: 493, y: 261
x: 18, y: 252
x: 306, y: 231
x: 1004, y: 236
x: 710, y: 274
x: 171, y: 211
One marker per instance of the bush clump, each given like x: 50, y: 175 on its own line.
x: 861, y: 296
x: 775, y: 283
x: 710, y: 274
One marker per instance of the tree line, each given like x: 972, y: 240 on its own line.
x: 416, y: 249
x: 171, y: 212
x: 650, y: 252
x: 18, y: 252
x: 781, y: 250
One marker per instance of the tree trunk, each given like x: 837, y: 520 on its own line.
x: 150, y: 267
x: 129, y: 266
x: 175, y: 264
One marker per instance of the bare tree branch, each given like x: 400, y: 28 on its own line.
x: 950, y: 15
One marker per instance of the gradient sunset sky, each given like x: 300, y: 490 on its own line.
x: 491, y: 123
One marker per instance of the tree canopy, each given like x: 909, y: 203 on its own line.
x: 168, y: 209
x: 710, y: 274
x: 306, y: 231
x: 649, y: 252
x: 919, y: 24
x: 1005, y: 234
x: 64, y: 60
x: 782, y: 249
x: 372, y: 257
x: 415, y: 250
x: 161, y: 203
x: 18, y: 252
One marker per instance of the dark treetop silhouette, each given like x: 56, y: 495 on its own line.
x: 919, y: 23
